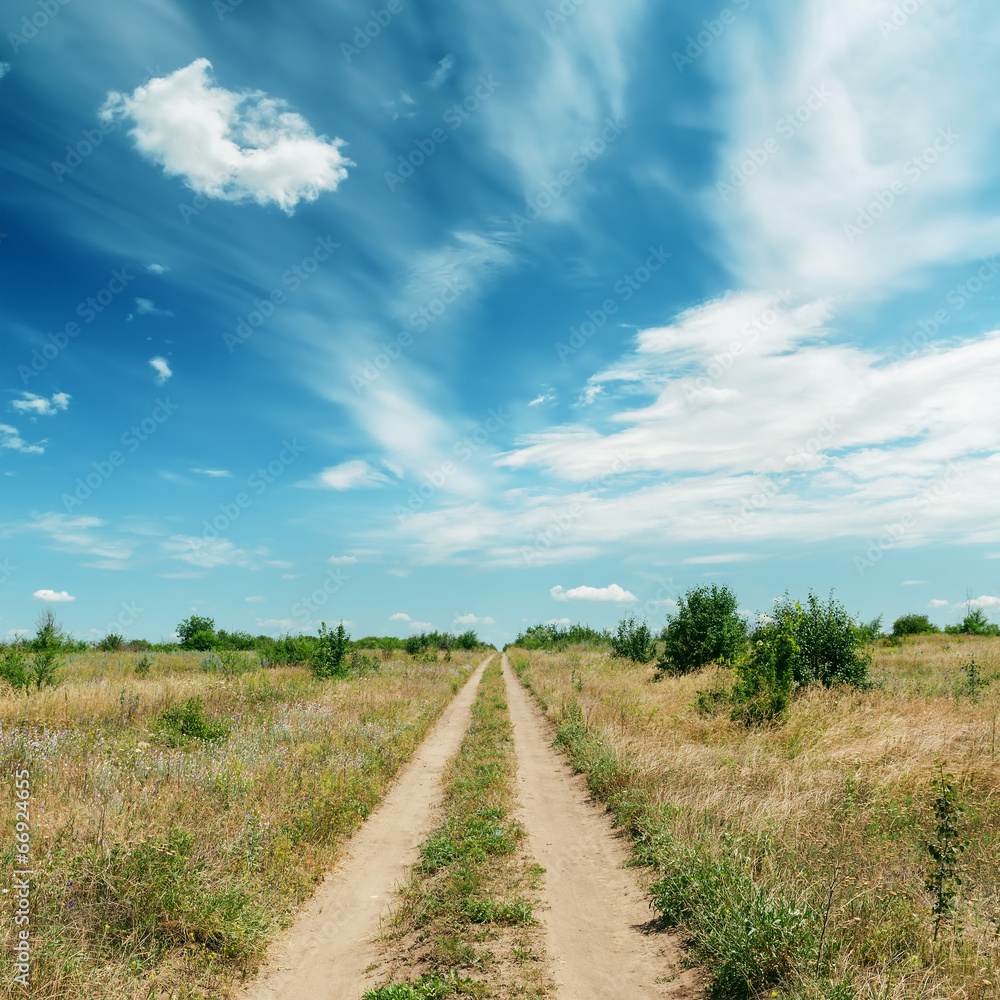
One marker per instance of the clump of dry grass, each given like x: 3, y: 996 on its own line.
x: 832, y: 807
x: 163, y: 866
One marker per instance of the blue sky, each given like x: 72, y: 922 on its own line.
x: 453, y: 315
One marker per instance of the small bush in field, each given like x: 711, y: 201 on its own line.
x: 707, y: 628
x: 187, y: 722
x: 633, y: 641
x: 329, y: 658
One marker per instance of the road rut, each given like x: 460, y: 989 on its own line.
x: 595, y: 923
x: 327, y: 949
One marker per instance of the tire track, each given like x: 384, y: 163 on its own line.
x: 326, y: 951
x: 596, y: 924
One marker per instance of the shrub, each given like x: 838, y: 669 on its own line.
x: 706, y: 629
x: 15, y: 667
x: 111, y: 643
x: 974, y: 623
x: 189, y: 721
x: 766, y: 673
x: 196, y: 632
x: 228, y: 662
x: 829, y: 641
x: 553, y: 636
x: 329, y: 658
x: 633, y: 641
x: 913, y: 625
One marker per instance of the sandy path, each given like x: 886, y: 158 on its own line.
x: 594, y: 925
x: 324, y: 954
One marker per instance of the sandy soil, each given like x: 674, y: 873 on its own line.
x: 598, y: 932
x: 327, y: 949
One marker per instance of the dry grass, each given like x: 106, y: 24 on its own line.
x: 164, y: 870
x: 835, y: 800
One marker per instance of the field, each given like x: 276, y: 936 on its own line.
x: 179, y: 816
x: 795, y: 856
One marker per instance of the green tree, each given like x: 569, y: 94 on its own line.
x: 707, y: 628
x: 197, y: 632
x: 913, y: 625
x: 633, y: 641
x: 329, y: 658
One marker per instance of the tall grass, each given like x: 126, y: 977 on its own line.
x: 795, y: 855
x: 180, y: 815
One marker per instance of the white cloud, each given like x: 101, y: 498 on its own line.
x: 342, y: 560
x: 443, y: 71
x: 257, y: 599
x: 209, y: 553
x: 157, y: 268
x: 727, y: 557
x: 228, y: 145
x: 78, y: 534
x: 162, y: 369
x: 559, y: 621
x: 914, y: 583
x: 214, y: 473
x: 471, y: 619
x: 10, y: 437
x: 544, y: 397
x: 398, y: 572
x: 147, y: 307
x: 787, y: 222
x: 39, y: 406
x: 352, y: 475
x: 589, y: 394
x: 4, y: 69
x: 53, y: 596
x: 290, y: 576
x: 400, y: 616
x: 612, y: 594
x: 937, y: 603
x: 986, y: 602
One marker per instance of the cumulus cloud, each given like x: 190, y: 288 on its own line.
x: 937, y: 603
x: 986, y: 601
x: 471, y: 619
x: 342, y: 560
x: 53, y: 596
x: 157, y: 268
x: 162, y: 369
x: 39, y: 406
x: 612, y: 594
x: 244, y: 146
x: 10, y: 437
x: 401, y: 616
x: 352, y: 475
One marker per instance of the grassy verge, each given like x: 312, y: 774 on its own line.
x: 465, y: 924
x: 178, y: 816
x: 795, y: 857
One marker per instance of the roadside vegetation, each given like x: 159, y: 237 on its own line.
x: 184, y: 803
x: 815, y: 805
x: 465, y: 924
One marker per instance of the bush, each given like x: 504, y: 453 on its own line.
x: 705, y: 629
x: 187, y: 722
x: 913, y: 625
x: 766, y: 673
x: 111, y: 643
x: 633, y: 641
x: 829, y: 642
x: 15, y: 667
x: 329, y: 658
x: 974, y: 623
x: 552, y: 636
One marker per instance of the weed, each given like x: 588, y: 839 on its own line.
x: 633, y: 641
x: 944, y: 880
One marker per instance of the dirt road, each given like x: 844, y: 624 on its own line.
x: 594, y: 924
x: 325, y: 953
